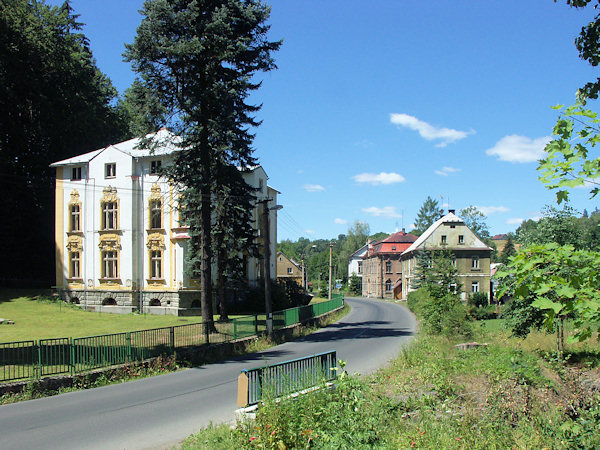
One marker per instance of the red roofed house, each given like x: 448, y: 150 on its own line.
x: 382, y: 269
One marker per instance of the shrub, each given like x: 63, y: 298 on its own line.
x: 416, y: 299
x: 478, y: 299
x: 483, y: 313
x: 445, y: 315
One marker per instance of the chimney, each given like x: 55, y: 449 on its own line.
x: 451, y: 211
x: 403, y: 231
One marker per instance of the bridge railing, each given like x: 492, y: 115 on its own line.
x: 285, y: 378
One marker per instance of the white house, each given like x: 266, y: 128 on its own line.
x: 355, y: 263
x: 119, y: 244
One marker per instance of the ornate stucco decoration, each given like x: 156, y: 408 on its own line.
x: 156, y: 241
x: 109, y: 194
x: 75, y: 244
x: 155, y: 192
x: 110, y: 242
x: 74, y: 198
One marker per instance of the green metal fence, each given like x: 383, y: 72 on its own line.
x: 33, y: 359
x: 289, y: 376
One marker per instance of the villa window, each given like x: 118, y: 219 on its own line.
x: 388, y: 267
x: 155, y: 167
x: 76, y: 174
x: 110, y: 170
x: 74, y: 265
x: 461, y: 239
x: 110, y: 264
x: 156, y: 264
x: 475, y: 262
x: 360, y: 266
x: 443, y: 239
x: 75, y: 224
x: 290, y: 270
x: 109, y: 216
x: 475, y: 286
x: 155, y: 214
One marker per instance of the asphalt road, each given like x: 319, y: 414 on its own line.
x: 160, y: 411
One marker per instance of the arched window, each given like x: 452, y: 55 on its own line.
x: 388, y: 285
x: 109, y: 301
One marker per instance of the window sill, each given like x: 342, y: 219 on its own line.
x: 475, y: 270
x: 110, y: 281
x: 156, y: 281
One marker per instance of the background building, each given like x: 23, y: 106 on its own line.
x: 288, y: 269
x: 120, y: 245
x: 382, y: 267
x: 471, y: 255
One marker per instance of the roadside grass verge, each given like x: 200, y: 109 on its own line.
x: 508, y: 394
x: 165, y: 364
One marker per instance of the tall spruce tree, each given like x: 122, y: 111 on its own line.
x: 233, y: 233
x: 430, y: 211
x: 198, y: 59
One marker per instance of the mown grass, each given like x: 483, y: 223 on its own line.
x: 508, y: 394
x: 45, y: 318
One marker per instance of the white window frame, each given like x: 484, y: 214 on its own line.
x: 461, y: 239
x: 110, y: 170
x: 109, y: 215
x: 75, y: 217
x: 155, y: 166
x: 156, y: 257
x: 75, y: 265
x: 475, y: 286
x: 110, y: 264
x: 475, y: 262
x: 290, y: 270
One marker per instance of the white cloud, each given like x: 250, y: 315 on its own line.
x: 309, y: 231
x: 339, y: 221
x: 487, y: 210
x: 515, y: 221
x: 313, y: 188
x: 519, y: 149
x: 446, y: 170
x: 389, y: 212
x: 428, y: 131
x: 379, y: 178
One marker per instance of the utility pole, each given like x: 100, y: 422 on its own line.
x: 330, y: 266
x: 267, y: 268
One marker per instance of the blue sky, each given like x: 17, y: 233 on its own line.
x: 376, y: 105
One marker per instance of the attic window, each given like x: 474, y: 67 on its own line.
x: 155, y: 166
x: 443, y: 239
x: 290, y: 269
x: 76, y: 173
x: 393, y: 247
x: 461, y: 239
x: 110, y: 170
x: 452, y: 226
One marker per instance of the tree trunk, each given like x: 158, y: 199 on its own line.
x: 221, y: 284
x: 205, y: 244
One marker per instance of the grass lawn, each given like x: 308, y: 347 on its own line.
x: 41, y: 319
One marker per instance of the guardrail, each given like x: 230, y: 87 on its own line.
x: 285, y: 378
x: 34, y: 359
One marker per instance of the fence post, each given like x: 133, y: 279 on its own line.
x: 256, y: 324
x: 72, y: 355
x: 206, y: 332
x: 38, y: 366
x: 128, y: 341
x: 172, y: 338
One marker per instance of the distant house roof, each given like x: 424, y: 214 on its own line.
x: 360, y: 252
x: 500, y: 237
x: 395, y: 243
x: 448, y: 218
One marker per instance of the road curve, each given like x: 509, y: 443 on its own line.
x: 160, y: 411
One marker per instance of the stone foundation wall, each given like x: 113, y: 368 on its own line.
x: 175, y: 303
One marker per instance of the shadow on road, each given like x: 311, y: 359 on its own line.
x: 357, y: 330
